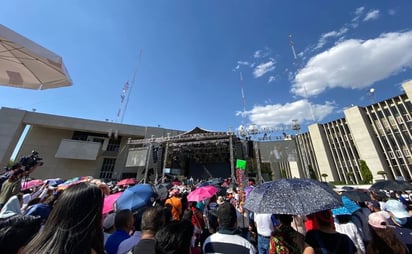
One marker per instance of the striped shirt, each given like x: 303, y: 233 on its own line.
x: 221, y: 242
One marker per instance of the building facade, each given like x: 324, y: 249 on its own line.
x: 70, y: 146
x: 379, y: 134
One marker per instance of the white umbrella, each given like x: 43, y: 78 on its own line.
x: 26, y: 64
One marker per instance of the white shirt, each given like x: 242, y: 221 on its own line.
x: 264, y: 224
x: 351, y: 230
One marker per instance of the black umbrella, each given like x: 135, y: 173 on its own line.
x: 292, y: 196
x: 356, y: 195
x: 391, y: 185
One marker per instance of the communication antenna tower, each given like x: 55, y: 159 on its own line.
x: 127, y: 90
x: 292, y: 46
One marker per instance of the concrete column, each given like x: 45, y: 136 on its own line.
x: 11, y: 129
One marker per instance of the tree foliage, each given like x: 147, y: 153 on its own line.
x: 365, y: 172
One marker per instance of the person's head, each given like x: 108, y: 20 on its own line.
x: 384, y: 237
x: 226, y: 215
x: 75, y: 223
x: 187, y: 214
x: 124, y: 220
x: 153, y: 219
x: 343, y: 218
x: 17, y: 174
x: 324, y: 219
x: 17, y: 231
x: 174, y: 238
x: 284, y: 219
x: 108, y: 223
x: 397, y: 211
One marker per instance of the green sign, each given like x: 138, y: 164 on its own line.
x: 241, y: 164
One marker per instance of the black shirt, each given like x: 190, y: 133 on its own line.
x: 145, y: 246
x: 332, y: 242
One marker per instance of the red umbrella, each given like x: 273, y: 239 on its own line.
x: 127, y: 181
x: 109, y: 202
x: 31, y: 184
x: 202, y: 193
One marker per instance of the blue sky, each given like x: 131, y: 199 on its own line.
x: 192, y: 53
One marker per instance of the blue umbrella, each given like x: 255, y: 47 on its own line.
x: 136, y: 197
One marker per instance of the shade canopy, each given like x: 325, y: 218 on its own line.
x: 25, y: 64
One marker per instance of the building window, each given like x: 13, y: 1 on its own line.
x: 398, y: 153
x: 391, y: 155
x: 399, y: 119
x: 406, y: 152
x: 408, y: 117
x: 114, y: 145
x: 107, y: 169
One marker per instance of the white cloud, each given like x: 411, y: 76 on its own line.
x: 271, y: 79
x: 371, y: 15
x: 275, y: 115
x: 264, y: 68
x: 391, y: 12
x: 240, y: 63
x: 355, y: 64
x: 333, y: 34
x: 358, y: 14
x: 261, y: 53
x: 359, y: 11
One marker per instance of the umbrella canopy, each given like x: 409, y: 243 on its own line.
x: 202, y: 193
x: 74, y: 180
x: 109, y: 201
x: 31, y: 184
x: 391, y: 185
x: 25, y: 64
x: 357, y: 195
x: 135, y: 197
x: 127, y: 181
x: 292, y: 196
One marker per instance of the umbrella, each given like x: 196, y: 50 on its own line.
x: 162, y: 191
x: 135, y: 197
x: 109, y: 202
x: 25, y: 64
x: 356, y: 195
x: 202, y: 193
x: 127, y: 181
x: 31, y: 184
x: 54, y: 181
x: 292, y: 196
x: 74, y: 180
x: 391, y: 185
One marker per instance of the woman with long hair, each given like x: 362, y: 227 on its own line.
x: 384, y: 239
x: 74, y: 225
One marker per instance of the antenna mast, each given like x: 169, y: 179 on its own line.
x: 127, y: 90
x: 292, y: 46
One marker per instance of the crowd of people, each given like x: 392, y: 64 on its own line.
x: 71, y: 220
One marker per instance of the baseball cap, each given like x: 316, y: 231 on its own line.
x: 109, y: 221
x: 377, y: 220
x: 396, y: 208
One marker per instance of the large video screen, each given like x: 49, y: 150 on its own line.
x: 137, y: 158
x: 275, y: 151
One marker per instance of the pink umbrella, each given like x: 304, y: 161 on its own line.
x: 202, y: 193
x: 109, y: 202
x: 31, y: 184
x: 127, y: 181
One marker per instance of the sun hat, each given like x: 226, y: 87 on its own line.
x: 396, y: 208
x: 377, y: 220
